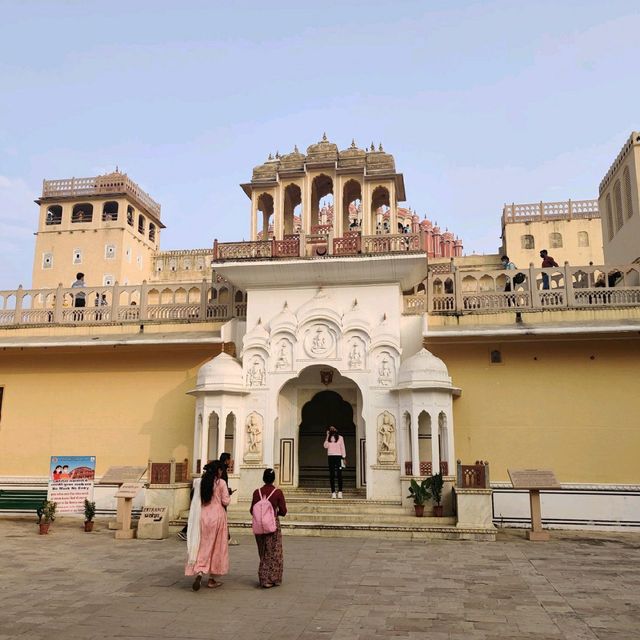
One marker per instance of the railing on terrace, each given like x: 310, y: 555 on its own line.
x: 426, y: 468
x: 495, y: 291
x: 99, y: 185
x: 566, y: 210
x: 320, y: 243
x: 118, y: 304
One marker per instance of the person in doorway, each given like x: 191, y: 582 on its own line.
x: 225, y: 461
x: 270, y: 544
x: 547, y: 262
x: 336, y: 457
x: 207, y: 544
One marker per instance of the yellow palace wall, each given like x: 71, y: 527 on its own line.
x: 124, y: 405
x: 548, y: 405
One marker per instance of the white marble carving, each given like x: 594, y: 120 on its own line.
x: 253, y: 449
x: 386, y: 438
x: 385, y: 373
x: 283, y: 359
x: 355, y: 355
x: 319, y: 341
x: 256, y: 373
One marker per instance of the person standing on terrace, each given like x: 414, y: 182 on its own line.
x: 547, y: 262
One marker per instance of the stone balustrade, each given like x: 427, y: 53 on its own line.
x: 320, y: 243
x: 532, y: 289
x: 120, y: 304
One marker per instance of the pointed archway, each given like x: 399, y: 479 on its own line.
x: 326, y: 408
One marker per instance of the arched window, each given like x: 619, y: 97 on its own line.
x: 583, y: 239
x: 628, y: 201
x: 617, y: 205
x: 609, y: 218
x: 379, y: 213
x: 152, y: 232
x: 141, y: 224
x: 265, y: 208
x: 527, y: 242
x: 130, y: 214
x: 54, y: 214
x: 109, y: 211
x: 82, y: 212
x: 555, y: 240
x: 321, y: 200
x: 212, y: 452
x: 351, y: 206
x: 424, y: 438
x: 292, y: 208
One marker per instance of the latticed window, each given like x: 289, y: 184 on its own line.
x: 77, y: 256
x: 583, y: 239
x: 109, y: 251
x: 609, y: 218
x: 628, y: 202
x: 555, y: 240
x: 617, y: 204
x: 47, y: 260
x: 528, y: 242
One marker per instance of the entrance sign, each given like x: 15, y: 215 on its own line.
x: 534, y: 480
x: 119, y: 475
x: 153, y: 523
x: 71, y: 482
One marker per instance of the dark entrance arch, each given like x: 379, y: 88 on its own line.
x: 326, y: 408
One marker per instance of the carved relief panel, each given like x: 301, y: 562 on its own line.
x: 387, y: 452
x: 253, y: 446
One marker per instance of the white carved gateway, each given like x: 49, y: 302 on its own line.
x: 301, y: 341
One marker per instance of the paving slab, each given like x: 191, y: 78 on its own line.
x: 89, y: 586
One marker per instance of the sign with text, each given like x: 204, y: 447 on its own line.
x: 152, y: 514
x: 533, y: 479
x: 119, y: 475
x: 129, y: 489
x: 71, y: 481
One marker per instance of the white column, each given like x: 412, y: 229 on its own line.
x: 204, y: 440
x: 435, y: 448
x: 451, y: 450
x: 415, y: 445
x: 222, y: 430
x: 197, y: 437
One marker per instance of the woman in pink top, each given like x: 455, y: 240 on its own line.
x: 336, y: 453
x: 207, y: 537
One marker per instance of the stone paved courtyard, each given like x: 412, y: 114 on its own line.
x: 72, y: 585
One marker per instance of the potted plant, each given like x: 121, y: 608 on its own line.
x: 420, y: 494
x: 436, y: 484
x: 46, y: 515
x: 89, y: 513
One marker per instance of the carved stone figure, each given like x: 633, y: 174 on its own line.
x: 385, y: 375
x: 283, y: 356
x: 255, y: 374
x: 386, y: 438
x: 355, y: 356
x: 319, y: 342
x: 253, y: 450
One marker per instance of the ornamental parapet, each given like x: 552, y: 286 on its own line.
x: 547, y: 211
x: 320, y: 245
x: 522, y: 290
x: 134, y: 304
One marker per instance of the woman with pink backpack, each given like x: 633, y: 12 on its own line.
x: 267, y: 506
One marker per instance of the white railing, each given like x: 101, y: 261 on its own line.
x: 565, y: 210
x: 190, y: 302
x: 567, y: 287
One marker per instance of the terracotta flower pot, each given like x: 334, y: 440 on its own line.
x: 88, y: 526
x: 419, y: 510
x: 437, y: 510
x: 44, y: 528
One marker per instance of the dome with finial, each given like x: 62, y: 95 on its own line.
x: 284, y: 321
x: 222, y: 373
x: 323, y: 151
x: 267, y: 171
x: 292, y: 161
x: 423, y: 370
x: 354, y: 318
x: 352, y: 157
x: 379, y: 161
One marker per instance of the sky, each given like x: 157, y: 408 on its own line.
x: 481, y: 103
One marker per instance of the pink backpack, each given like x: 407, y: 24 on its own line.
x: 264, y: 517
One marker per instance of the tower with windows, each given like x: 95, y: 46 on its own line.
x: 106, y: 227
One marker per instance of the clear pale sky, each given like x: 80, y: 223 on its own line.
x: 481, y: 103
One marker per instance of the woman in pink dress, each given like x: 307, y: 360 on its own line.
x: 207, y: 538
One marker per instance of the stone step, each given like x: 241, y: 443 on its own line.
x: 355, y: 518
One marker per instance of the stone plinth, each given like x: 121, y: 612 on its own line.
x: 173, y: 496
x: 474, y: 508
x: 385, y: 479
